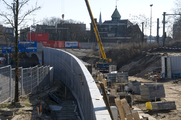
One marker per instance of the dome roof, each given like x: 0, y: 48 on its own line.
x: 116, y: 15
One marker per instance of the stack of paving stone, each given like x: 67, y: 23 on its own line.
x: 166, y: 105
x: 122, y: 77
x: 148, y: 91
x: 134, y: 86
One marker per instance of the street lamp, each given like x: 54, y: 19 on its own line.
x: 150, y: 21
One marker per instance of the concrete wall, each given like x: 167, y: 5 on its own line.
x: 77, y: 78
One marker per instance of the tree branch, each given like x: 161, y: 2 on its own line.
x: 9, y: 21
x: 22, y: 4
x: 8, y: 4
x: 28, y: 13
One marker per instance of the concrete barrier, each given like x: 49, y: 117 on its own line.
x: 70, y: 70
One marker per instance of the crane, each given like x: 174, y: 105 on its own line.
x: 102, y: 65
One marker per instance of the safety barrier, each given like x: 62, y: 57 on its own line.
x: 70, y: 70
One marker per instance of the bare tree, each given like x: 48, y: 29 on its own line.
x: 15, y: 17
x: 76, y: 29
x: 138, y: 19
x: 176, y: 20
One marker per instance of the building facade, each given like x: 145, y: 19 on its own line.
x: 6, y: 35
x: 117, y: 30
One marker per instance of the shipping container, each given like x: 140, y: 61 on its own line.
x: 171, y: 66
x: 72, y: 44
x: 40, y: 41
x: 48, y: 45
x: 37, y: 36
x: 60, y: 44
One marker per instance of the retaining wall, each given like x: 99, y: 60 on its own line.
x: 70, y: 70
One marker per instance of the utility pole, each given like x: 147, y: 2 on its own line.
x: 142, y: 32
x: 163, y: 37
x: 158, y: 30
x: 150, y: 22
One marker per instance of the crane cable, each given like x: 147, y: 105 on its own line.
x: 62, y: 9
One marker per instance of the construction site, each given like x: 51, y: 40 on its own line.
x: 148, y: 81
x: 62, y: 71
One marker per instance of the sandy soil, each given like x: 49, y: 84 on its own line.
x: 173, y: 93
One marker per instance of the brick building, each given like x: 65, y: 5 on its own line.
x: 117, y: 30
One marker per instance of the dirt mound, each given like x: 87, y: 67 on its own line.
x: 90, y: 60
x: 143, y: 64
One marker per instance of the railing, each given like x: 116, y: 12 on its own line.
x: 70, y: 70
x: 31, y: 80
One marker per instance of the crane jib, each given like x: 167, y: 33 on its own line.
x: 96, y: 33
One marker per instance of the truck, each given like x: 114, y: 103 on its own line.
x: 103, y: 64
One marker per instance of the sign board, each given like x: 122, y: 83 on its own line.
x: 6, y: 49
x: 27, y: 46
x: 71, y: 44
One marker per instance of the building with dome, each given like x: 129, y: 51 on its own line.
x: 117, y: 30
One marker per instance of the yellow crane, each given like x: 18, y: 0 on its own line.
x: 102, y: 65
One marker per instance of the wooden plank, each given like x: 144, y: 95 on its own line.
x: 135, y: 115
x: 106, y: 100
x: 120, y: 109
x: 125, y: 106
x: 129, y: 117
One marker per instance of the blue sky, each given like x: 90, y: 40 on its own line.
x: 76, y: 9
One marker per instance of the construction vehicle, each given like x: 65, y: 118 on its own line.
x: 103, y: 64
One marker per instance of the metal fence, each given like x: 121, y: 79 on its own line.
x: 31, y: 80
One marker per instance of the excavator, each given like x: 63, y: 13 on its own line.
x: 103, y: 64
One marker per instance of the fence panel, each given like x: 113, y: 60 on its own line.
x: 4, y: 83
x: 30, y: 79
x: 34, y: 79
x: 27, y: 82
